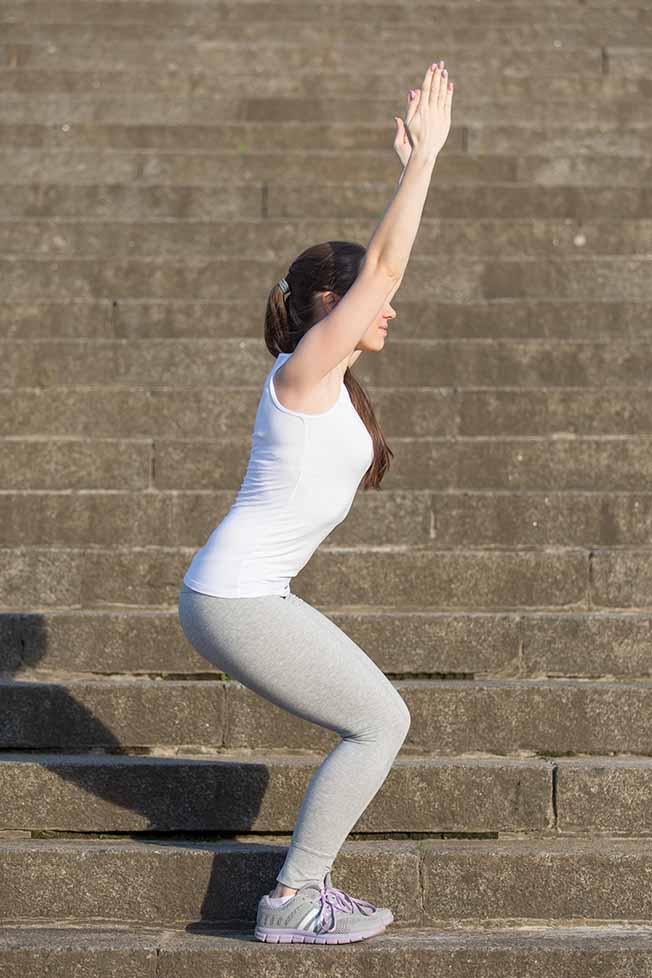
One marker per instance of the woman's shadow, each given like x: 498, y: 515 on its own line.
x: 207, y: 799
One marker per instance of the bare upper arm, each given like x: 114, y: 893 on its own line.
x: 335, y: 337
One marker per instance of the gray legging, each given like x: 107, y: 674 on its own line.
x: 291, y: 654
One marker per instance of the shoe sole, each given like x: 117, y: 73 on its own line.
x: 279, y: 935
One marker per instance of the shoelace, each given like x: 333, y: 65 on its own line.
x: 339, y: 900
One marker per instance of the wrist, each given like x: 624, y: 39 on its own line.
x: 423, y: 157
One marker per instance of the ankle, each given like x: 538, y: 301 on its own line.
x: 281, y: 890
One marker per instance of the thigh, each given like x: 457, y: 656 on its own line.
x: 356, y: 661
x: 291, y: 654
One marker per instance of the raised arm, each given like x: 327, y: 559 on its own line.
x: 335, y: 337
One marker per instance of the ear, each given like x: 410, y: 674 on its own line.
x: 330, y: 300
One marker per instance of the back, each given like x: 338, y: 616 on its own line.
x: 303, y: 473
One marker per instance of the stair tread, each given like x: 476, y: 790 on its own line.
x: 605, y: 847
x: 571, y: 937
x: 271, y: 756
x: 32, y: 679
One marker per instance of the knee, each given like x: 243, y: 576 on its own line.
x: 384, y: 722
x: 395, y: 722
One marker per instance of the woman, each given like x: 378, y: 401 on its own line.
x: 315, y: 437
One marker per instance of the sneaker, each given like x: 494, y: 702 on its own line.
x: 318, y: 913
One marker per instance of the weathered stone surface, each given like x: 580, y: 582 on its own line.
x: 463, y: 716
x: 105, y: 952
x: 245, y: 792
x: 605, y: 795
x: 450, y: 716
x: 621, y: 578
x: 228, y: 414
x: 241, y: 364
x: 583, y: 880
x: 112, y: 713
x: 176, y: 882
x: 428, y: 883
x: 41, y: 463
x: 202, y: 14
x: 465, y: 280
x: 462, y: 645
x: 184, y: 238
x: 447, y: 579
x: 462, y: 281
x: 397, y: 517
x: 58, y: 951
x: 374, y: 577
x: 110, y: 319
x: 553, y: 413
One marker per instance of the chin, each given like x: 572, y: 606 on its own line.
x: 374, y: 345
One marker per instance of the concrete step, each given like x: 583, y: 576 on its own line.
x: 452, y: 519
x: 77, y: 168
x: 419, y: 363
x: 462, y: 280
x: 477, y: 79
x: 492, y: 319
x: 261, y: 791
x: 146, y: 108
x: 424, y: 643
x: 452, y: 884
x: 354, y: 200
x: 368, y: 32
x: 202, y: 427
x: 494, y: 716
x: 251, y: 791
x: 440, y: 488
x: 359, y: 577
x: 203, y: 14
x: 487, y: 138
x: 140, y: 952
x: 512, y: 519
x: 171, y: 61
x: 192, y: 239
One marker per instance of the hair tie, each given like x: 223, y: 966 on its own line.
x: 284, y: 287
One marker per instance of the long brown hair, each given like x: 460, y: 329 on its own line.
x: 332, y: 266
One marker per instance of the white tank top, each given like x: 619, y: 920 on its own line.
x: 303, y: 474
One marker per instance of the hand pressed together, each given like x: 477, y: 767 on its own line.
x: 427, y: 119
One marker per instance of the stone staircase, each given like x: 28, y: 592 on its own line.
x: 161, y: 164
